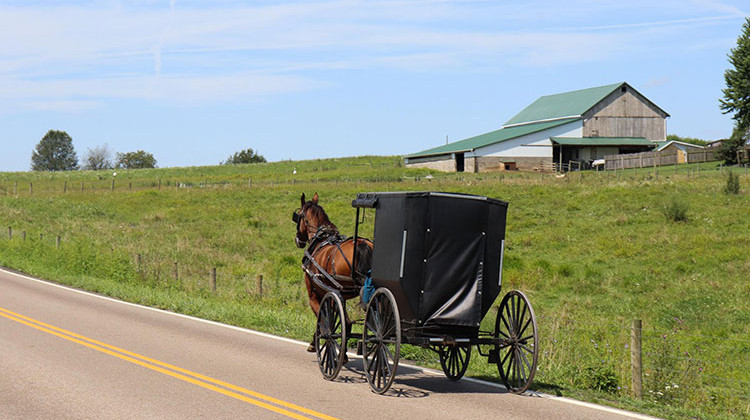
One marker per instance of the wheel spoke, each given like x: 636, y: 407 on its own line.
x: 509, y: 317
x: 523, y: 330
x: 386, y: 359
x: 523, y: 314
x: 521, y: 366
x: 526, y: 348
x: 528, y: 337
x: 508, y: 376
x: 526, y: 361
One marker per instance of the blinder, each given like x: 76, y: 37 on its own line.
x: 296, y: 217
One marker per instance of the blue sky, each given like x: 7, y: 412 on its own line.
x: 194, y: 81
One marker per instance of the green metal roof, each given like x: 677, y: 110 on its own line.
x: 492, y: 137
x: 603, y: 141
x: 567, y: 104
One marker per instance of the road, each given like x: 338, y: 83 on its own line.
x: 71, y: 354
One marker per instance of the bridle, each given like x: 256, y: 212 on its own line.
x: 298, y: 216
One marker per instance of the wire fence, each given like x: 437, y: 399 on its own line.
x: 676, y: 365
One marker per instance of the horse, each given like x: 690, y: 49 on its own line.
x: 329, y: 256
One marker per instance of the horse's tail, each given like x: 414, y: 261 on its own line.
x: 363, y: 248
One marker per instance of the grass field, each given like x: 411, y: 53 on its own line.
x: 593, y: 251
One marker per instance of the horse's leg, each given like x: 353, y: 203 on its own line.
x: 314, y: 305
x: 341, y: 265
x: 312, y: 296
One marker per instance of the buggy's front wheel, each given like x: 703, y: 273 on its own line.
x: 454, y: 360
x: 381, y: 338
x: 330, y: 336
x: 516, y: 351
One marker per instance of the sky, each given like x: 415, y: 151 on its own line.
x: 192, y: 82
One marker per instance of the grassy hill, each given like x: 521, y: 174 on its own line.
x: 593, y: 251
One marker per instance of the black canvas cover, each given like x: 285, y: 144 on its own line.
x: 439, y: 253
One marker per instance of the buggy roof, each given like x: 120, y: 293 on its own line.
x: 369, y: 200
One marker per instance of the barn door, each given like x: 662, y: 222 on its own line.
x: 459, y: 162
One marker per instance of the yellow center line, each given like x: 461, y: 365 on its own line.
x: 171, y: 370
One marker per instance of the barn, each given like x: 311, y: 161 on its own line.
x: 569, y: 129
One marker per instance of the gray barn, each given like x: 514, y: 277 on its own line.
x: 579, y: 126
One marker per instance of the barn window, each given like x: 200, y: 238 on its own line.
x: 623, y: 89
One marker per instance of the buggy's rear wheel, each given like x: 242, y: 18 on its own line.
x: 330, y: 336
x: 516, y: 352
x: 454, y: 360
x: 381, y: 337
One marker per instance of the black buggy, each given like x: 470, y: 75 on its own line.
x: 436, y: 271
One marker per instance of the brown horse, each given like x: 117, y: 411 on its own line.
x: 329, y: 256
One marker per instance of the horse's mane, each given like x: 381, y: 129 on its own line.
x: 320, y: 214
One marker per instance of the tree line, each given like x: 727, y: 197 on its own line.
x: 55, y: 152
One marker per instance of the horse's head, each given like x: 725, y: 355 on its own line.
x: 310, y: 217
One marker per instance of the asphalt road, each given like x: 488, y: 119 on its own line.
x: 74, y: 355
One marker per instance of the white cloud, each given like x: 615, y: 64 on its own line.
x: 59, y: 55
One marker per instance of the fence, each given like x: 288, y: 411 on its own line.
x: 654, y: 159
x: 146, y: 268
x: 664, y: 365
x: 667, y: 365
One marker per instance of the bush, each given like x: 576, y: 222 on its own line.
x: 135, y: 160
x: 245, y: 156
x: 600, y: 378
x: 676, y: 211
x: 733, y: 184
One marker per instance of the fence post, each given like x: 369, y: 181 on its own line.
x: 176, y: 273
x: 259, y: 284
x: 635, y: 358
x: 15, y: 187
x: 57, y: 242
x: 23, y: 235
x: 213, y: 279
x: 31, y: 188
x: 159, y: 183
x: 113, y: 185
x: 81, y: 186
x: 138, y: 262
x: 10, y: 232
x: 65, y: 187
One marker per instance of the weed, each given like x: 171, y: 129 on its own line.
x: 733, y: 183
x: 676, y: 210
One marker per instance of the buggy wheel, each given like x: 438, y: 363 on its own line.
x: 516, y: 352
x: 330, y: 336
x: 381, y: 336
x: 454, y: 360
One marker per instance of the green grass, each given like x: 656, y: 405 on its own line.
x: 593, y: 251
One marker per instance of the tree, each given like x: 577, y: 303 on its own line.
x: 135, y: 160
x: 54, y: 152
x: 98, y: 158
x: 245, y: 156
x: 729, y: 147
x: 737, y: 93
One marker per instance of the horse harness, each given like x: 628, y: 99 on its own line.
x: 325, y: 236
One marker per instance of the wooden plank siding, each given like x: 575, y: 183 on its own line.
x: 625, y: 114
x: 651, y: 159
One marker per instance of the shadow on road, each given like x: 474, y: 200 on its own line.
x: 413, y: 382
